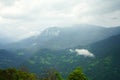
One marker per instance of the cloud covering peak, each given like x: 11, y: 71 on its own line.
x: 37, y: 14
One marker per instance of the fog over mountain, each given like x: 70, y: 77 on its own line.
x: 24, y: 18
x: 66, y: 37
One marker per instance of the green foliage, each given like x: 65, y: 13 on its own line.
x: 13, y: 74
x: 53, y: 75
x: 77, y: 74
x: 58, y: 76
x: 22, y: 74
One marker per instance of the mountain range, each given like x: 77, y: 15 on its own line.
x: 96, y: 49
x: 66, y: 37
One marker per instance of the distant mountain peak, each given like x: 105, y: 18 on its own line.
x: 66, y: 37
x: 51, y: 32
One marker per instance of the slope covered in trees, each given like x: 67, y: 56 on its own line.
x: 14, y: 74
x: 105, y: 63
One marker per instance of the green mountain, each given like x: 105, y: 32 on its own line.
x: 104, y: 65
x: 7, y: 59
x: 95, y: 49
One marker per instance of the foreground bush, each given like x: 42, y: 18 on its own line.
x: 77, y: 74
x: 13, y: 74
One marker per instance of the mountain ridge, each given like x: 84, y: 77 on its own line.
x: 61, y: 38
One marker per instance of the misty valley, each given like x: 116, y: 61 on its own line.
x: 78, y: 52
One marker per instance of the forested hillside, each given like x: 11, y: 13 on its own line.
x: 99, y: 60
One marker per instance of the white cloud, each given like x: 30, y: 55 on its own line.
x: 2, y: 20
x: 84, y: 52
x: 56, y: 11
x: 7, y: 2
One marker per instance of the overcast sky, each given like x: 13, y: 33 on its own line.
x: 23, y: 18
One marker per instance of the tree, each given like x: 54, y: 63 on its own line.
x: 77, y: 74
x: 14, y: 74
x: 58, y: 76
x: 53, y: 75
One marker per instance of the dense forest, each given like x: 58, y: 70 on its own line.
x: 21, y: 74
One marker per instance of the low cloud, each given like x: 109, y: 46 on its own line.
x: 83, y: 52
x: 27, y: 35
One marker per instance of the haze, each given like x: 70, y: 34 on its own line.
x: 23, y: 18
